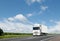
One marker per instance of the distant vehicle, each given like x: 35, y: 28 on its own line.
x: 37, y: 30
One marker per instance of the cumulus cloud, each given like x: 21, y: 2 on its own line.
x: 18, y: 23
x: 11, y: 25
x: 18, y: 17
x: 8, y: 25
x: 16, y: 27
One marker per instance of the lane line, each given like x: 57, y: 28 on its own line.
x: 35, y: 37
x: 47, y: 39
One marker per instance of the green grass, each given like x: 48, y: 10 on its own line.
x: 14, y: 36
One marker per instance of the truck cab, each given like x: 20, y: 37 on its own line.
x: 36, y: 30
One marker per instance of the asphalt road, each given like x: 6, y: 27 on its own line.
x: 36, y: 38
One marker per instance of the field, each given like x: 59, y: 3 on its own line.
x: 15, y: 35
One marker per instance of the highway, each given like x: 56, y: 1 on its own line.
x: 36, y: 38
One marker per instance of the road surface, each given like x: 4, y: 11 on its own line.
x: 36, y: 38
x: 56, y: 38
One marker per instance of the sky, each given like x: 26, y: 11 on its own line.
x: 21, y: 15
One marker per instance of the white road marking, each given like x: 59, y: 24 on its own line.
x: 47, y: 39
x: 29, y: 38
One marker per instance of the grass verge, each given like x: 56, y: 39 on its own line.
x: 14, y: 36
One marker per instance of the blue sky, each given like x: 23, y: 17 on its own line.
x: 45, y: 12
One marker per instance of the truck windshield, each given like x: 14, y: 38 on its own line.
x: 36, y: 28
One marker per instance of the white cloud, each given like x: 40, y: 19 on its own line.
x: 20, y: 17
x: 39, y: 1
x: 51, y: 20
x: 29, y: 15
x: 44, y: 8
x: 11, y: 19
x: 18, y: 27
x: 33, y: 1
x: 55, y: 28
x: 29, y: 2
x: 11, y: 24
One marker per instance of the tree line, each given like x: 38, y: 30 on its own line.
x: 3, y: 33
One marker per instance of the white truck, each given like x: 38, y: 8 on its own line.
x: 37, y: 30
